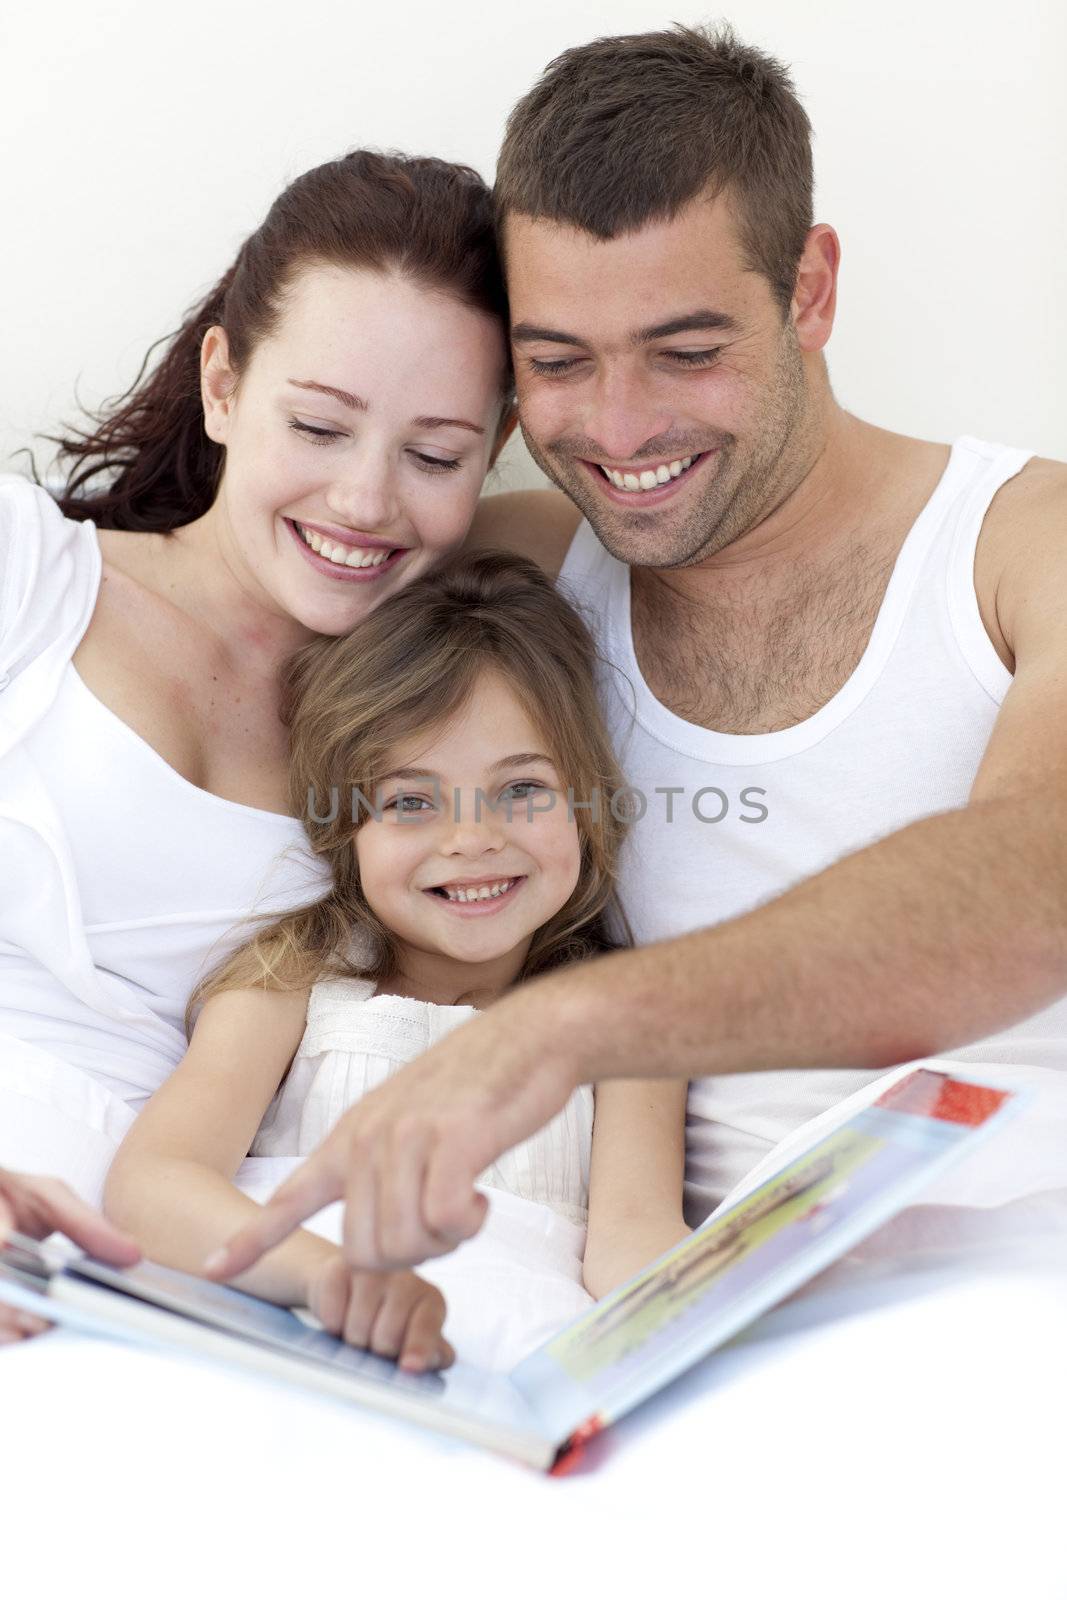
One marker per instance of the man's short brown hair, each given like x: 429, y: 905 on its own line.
x: 626, y: 131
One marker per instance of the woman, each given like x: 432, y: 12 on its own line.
x: 314, y: 437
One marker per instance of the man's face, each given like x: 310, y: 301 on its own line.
x: 659, y: 385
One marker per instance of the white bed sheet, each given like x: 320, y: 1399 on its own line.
x: 906, y: 1440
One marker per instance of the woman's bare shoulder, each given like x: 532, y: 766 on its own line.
x: 539, y: 523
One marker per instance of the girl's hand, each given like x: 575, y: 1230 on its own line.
x: 40, y: 1206
x: 394, y: 1314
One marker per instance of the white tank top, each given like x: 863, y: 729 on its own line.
x: 902, y: 739
x: 168, y: 877
x: 356, y: 1039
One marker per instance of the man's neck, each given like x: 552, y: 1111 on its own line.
x: 847, y: 481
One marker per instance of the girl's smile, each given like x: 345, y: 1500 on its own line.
x: 477, y: 897
x: 472, y: 847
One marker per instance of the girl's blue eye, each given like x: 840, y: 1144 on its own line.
x: 408, y: 803
x: 523, y: 788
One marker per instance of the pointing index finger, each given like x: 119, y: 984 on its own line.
x: 297, y: 1199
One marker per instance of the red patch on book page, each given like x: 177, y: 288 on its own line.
x: 935, y: 1094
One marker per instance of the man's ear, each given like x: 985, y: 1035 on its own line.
x: 508, y: 424
x: 218, y: 384
x: 815, y: 295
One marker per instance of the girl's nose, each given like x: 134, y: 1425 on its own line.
x: 474, y: 828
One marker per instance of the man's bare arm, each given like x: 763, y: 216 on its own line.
x: 944, y: 932
x: 539, y: 523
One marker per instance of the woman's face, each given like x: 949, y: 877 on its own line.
x: 357, y: 440
x: 477, y: 846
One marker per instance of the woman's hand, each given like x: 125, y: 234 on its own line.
x: 406, y: 1157
x: 393, y: 1314
x: 40, y: 1206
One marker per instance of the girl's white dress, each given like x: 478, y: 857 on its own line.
x: 519, y: 1280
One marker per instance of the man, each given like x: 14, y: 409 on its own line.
x: 837, y: 653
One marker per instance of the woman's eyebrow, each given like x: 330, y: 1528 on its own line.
x: 355, y: 403
x: 446, y: 422
x: 352, y: 401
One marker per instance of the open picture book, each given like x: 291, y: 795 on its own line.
x: 632, y: 1344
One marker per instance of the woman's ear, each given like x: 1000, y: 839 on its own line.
x: 218, y: 384
x: 506, y: 428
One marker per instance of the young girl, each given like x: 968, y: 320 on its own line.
x: 452, y: 767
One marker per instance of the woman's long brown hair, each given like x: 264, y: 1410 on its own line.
x: 146, y: 463
x: 399, y: 676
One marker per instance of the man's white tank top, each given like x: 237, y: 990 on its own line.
x: 755, y: 813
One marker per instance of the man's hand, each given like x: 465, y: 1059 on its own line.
x: 395, y: 1314
x: 40, y: 1206
x: 405, y: 1159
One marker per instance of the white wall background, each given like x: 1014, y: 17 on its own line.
x: 141, y: 142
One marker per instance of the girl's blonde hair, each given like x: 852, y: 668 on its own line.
x: 408, y: 668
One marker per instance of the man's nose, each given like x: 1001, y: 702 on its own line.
x: 623, y: 414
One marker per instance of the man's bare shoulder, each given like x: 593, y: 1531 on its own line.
x: 539, y: 523
x: 1023, y: 549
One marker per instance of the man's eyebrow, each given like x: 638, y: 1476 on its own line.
x: 529, y: 333
x: 704, y: 321
x: 355, y: 403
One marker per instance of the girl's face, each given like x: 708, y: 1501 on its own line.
x: 447, y: 869
x: 357, y: 440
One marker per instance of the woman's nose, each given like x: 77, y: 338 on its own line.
x: 365, y: 497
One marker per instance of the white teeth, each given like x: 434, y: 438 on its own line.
x: 341, y: 555
x: 650, y: 478
x: 484, y: 891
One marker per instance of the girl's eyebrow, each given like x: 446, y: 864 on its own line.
x: 522, y: 760
x: 413, y: 774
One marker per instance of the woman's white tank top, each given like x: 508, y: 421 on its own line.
x: 755, y: 813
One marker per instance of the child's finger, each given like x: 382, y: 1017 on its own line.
x: 332, y: 1287
x: 365, y: 1294
x: 423, y: 1348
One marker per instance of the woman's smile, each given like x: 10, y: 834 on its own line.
x: 354, y: 557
